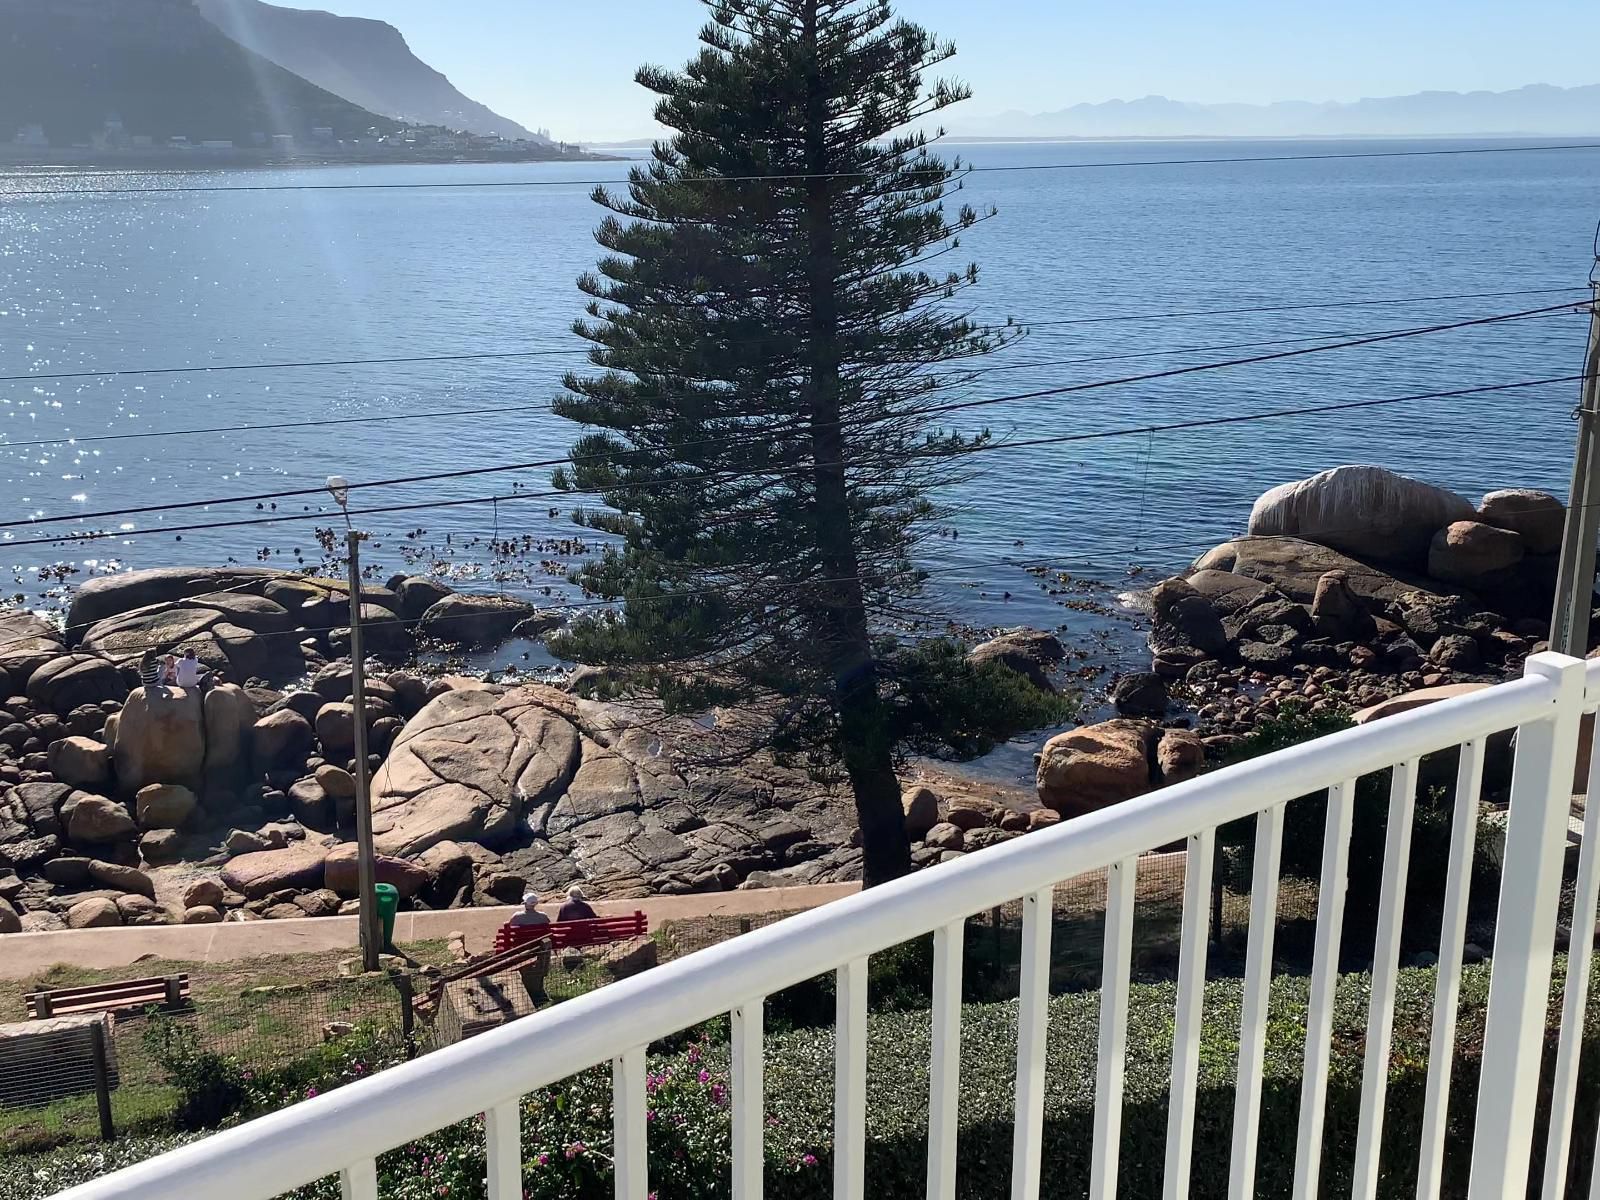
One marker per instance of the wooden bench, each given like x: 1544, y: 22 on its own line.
x: 565, y: 935
x: 169, y: 993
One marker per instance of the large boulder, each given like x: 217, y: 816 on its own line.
x: 123, y: 879
x: 1140, y: 694
x: 93, y: 913
x: 418, y: 593
x: 1227, y: 592
x: 1087, y: 769
x: 1337, y: 612
x: 1537, y: 517
x: 158, y: 737
x: 109, y: 595
x: 96, y: 819
x: 469, y: 763
x: 921, y: 808
x: 341, y: 872
x: 229, y: 720
x: 81, y: 762
x: 336, y: 727
x: 164, y: 805
x: 297, y: 865
x: 64, y: 683
x: 1028, y: 652
x: 1367, y: 511
x: 1468, y: 552
x: 282, y: 738
x: 26, y: 643
x: 465, y: 620
x: 1295, y: 567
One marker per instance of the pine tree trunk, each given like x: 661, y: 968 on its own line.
x: 865, y: 743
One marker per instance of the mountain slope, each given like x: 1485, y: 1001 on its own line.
x: 158, y: 65
x: 1537, y: 109
x: 367, y: 62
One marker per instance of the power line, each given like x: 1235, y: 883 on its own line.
x: 943, y: 172
x: 76, y: 439
x: 764, y: 434
x: 584, y: 348
x: 528, y: 409
x: 61, y: 539
x: 288, y: 366
x: 1228, y: 312
x: 1239, y: 362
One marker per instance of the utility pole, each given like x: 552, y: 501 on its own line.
x: 1569, y: 623
x: 366, y: 860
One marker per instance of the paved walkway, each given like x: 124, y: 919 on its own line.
x: 24, y: 955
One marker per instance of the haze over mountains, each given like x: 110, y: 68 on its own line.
x: 229, y: 70
x: 1537, y: 109
x: 367, y: 62
x: 158, y: 67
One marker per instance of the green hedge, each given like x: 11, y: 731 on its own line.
x: 569, y: 1126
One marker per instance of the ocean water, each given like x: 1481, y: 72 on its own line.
x: 1091, y: 259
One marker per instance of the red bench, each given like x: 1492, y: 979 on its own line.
x: 564, y: 935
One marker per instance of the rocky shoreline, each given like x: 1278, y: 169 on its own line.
x: 119, y: 806
x: 122, y: 805
x: 1350, y: 589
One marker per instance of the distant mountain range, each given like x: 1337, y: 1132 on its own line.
x: 159, y: 68
x: 1538, y: 110
x: 366, y: 62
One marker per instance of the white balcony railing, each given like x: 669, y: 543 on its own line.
x: 343, y: 1131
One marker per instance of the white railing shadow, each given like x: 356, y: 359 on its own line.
x: 344, y: 1131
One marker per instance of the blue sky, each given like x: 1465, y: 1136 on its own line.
x: 569, y: 65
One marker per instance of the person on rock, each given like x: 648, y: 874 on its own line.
x: 169, y: 670
x: 190, y: 674
x: 576, y: 907
x: 150, y: 671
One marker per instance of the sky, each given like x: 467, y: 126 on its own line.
x: 569, y: 66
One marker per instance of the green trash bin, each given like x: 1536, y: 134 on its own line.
x: 388, y: 905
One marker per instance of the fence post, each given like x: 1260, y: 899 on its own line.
x: 408, y: 1012
x: 1524, y: 937
x: 102, y: 1080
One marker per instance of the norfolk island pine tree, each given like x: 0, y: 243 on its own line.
x: 771, y: 336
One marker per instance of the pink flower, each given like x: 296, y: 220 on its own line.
x: 705, y: 1076
x: 694, y: 1054
x: 719, y: 1094
x: 575, y: 1149
x: 543, y: 1160
x: 808, y: 1160
x: 311, y: 1093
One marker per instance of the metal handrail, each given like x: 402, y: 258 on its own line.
x: 326, y: 1135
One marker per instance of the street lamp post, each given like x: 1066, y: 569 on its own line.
x: 366, y: 859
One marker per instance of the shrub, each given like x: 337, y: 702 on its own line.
x: 211, y: 1088
x: 566, y: 1130
x: 1305, y: 829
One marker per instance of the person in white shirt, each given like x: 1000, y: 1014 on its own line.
x: 190, y: 672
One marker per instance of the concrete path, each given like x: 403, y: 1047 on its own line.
x: 24, y: 955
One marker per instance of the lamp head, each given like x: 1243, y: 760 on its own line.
x: 339, y: 486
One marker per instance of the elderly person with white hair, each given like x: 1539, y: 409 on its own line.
x: 534, y: 972
x: 576, y: 906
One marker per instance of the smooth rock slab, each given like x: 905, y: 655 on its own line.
x: 465, y: 766
x: 298, y: 865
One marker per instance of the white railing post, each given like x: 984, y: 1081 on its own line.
x: 502, y: 1133
x: 1195, y: 942
x: 1033, y: 1027
x: 749, y: 1100
x: 850, y: 1081
x: 944, y: 1069
x: 1524, y: 940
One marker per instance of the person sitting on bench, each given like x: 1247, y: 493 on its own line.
x: 533, y: 974
x: 576, y: 906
